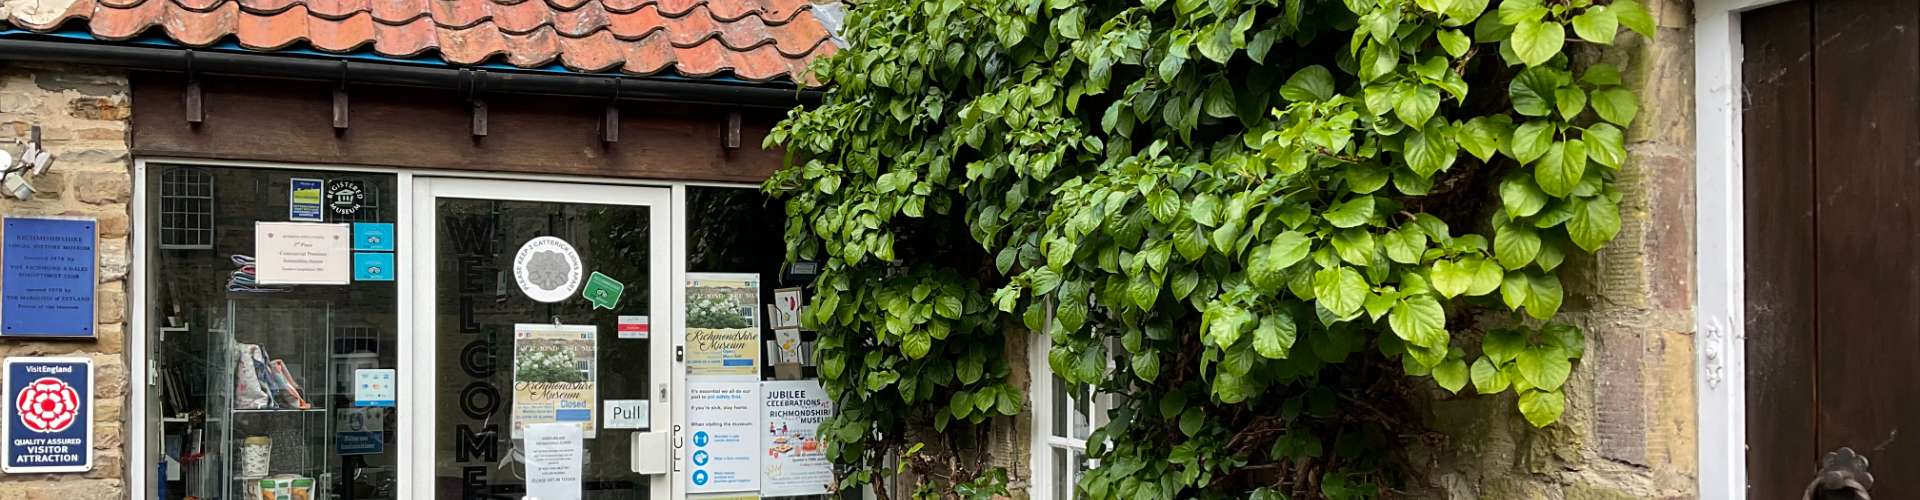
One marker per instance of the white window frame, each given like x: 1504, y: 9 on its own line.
x: 1720, y: 376
x: 1041, y: 395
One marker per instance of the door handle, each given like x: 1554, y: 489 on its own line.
x: 1843, y: 476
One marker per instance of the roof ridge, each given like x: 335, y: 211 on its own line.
x: 777, y: 42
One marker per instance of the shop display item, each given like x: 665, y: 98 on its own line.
x: 255, y: 456
x: 286, y: 487
x: 260, y: 383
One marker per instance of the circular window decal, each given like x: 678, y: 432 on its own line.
x: 547, y: 269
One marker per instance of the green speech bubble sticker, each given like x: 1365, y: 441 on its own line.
x: 603, y: 291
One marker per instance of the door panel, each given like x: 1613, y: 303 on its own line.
x: 1866, y: 54
x: 1832, y: 128
x: 501, y: 359
x: 1778, y: 74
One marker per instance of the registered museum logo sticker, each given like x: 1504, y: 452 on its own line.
x: 547, y: 269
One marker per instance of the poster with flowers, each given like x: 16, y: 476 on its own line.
x: 723, y: 325
x: 554, y: 377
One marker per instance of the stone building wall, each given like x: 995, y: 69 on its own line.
x: 1630, y: 428
x: 82, y: 113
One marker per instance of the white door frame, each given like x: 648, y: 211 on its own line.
x: 426, y: 191
x: 1720, y: 376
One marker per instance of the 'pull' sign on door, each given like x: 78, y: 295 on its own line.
x: 49, y: 412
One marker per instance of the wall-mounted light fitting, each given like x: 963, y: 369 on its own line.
x: 19, y: 171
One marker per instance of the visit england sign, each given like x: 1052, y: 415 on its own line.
x: 49, y: 412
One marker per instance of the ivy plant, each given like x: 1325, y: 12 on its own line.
x: 1258, y: 220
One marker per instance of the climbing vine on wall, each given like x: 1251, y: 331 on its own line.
x: 1253, y: 218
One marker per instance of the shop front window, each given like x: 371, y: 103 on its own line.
x: 272, y: 322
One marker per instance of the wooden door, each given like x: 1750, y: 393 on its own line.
x: 1832, y: 188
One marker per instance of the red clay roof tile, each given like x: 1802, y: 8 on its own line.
x: 200, y: 28
x: 337, y: 9
x: 755, y: 40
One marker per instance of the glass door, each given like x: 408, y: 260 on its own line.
x: 537, y: 319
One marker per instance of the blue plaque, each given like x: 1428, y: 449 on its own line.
x: 47, y: 275
x: 49, y: 415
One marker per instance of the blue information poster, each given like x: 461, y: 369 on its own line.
x: 49, y: 415
x: 47, y: 275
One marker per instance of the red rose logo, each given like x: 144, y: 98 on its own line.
x: 48, y: 405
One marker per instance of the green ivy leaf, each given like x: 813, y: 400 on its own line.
x: 1532, y: 92
x: 1350, y: 213
x: 1451, y: 278
x: 880, y: 380
x: 1486, y: 378
x: 1606, y: 145
x: 1261, y: 44
x: 1310, y: 84
x: 1570, y: 100
x: 1415, y: 104
x: 1429, y: 152
x: 1420, y: 321
x: 1287, y: 249
x: 1205, y: 209
x: 1520, y: 197
x: 960, y: 404
x: 1341, y: 289
x: 1543, y: 295
x: 1355, y: 246
x: 1225, y: 323
x: 1601, y: 75
x: 1164, y: 204
x: 1616, y: 105
x: 1454, y: 42
x: 1513, y: 289
x: 1634, y: 16
x: 1451, y: 374
x: 1172, y: 404
x: 1514, y: 12
x: 1536, y: 42
x: 1595, y: 222
x: 1597, y: 25
x: 1486, y: 275
x: 1434, y: 6
x: 1531, y: 140
x: 1544, y: 366
x: 1220, y: 99
x: 948, y: 306
x: 916, y: 344
x: 1483, y: 135
x: 1191, y: 243
x: 1516, y: 245
x: 1542, y: 408
x: 1216, y: 43
x: 1567, y: 338
x: 1190, y: 421
x: 1275, y: 336
x: 1503, y: 345
x: 1561, y: 168
x: 1144, y: 292
x: 1405, y: 244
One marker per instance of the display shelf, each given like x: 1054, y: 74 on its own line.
x: 295, y: 333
